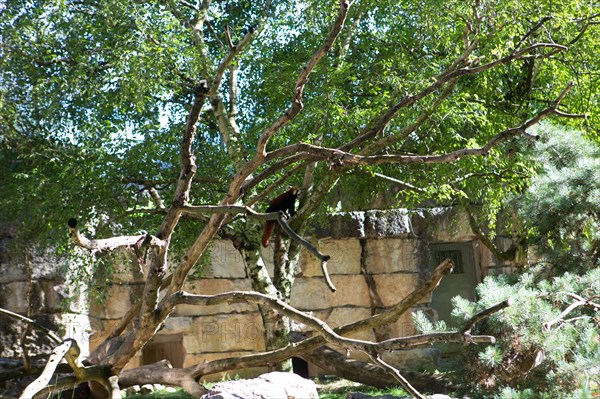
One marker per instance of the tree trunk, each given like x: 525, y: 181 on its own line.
x: 370, y: 374
x: 276, y: 327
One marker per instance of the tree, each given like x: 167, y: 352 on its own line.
x: 429, y: 98
x: 548, y: 338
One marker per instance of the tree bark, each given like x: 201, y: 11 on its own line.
x: 370, y: 374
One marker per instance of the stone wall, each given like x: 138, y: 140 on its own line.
x: 33, y: 284
x: 377, y: 258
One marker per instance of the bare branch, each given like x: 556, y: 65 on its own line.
x: 32, y: 323
x: 233, y: 52
x: 321, y: 327
x: 399, y: 377
x: 503, y: 256
x: 312, y: 249
x: 67, y: 349
x: 401, y: 183
x: 297, y: 105
x: 337, y: 157
x: 110, y: 244
x: 388, y: 316
x: 156, y: 198
x: 531, y: 31
x: 271, y: 170
x: 483, y: 314
x: 580, y: 301
x: 189, y: 5
x: 572, y: 116
x: 278, y: 216
x: 449, y: 75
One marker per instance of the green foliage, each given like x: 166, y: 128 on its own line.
x: 563, y: 201
x: 162, y: 394
x: 537, y: 351
x: 548, y: 341
x: 94, y: 99
x: 339, y: 388
x: 425, y: 326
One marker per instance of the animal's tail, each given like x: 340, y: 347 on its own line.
x: 269, y: 227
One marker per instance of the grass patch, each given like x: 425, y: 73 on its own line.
x: 162, y: 394
x: 337, y: 389
x: 328, y: 388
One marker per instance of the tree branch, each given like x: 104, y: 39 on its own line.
x: 483, y: 314
x: 399, y: 377
x: 337, y: 157
x: 321, y: 327
x: 110, y: 244
x: 278, y: 216
x: 580, y: 301
x: 32, y: 323
x: 67, y: 349
x: 388, y: 316
x: 297, y: 105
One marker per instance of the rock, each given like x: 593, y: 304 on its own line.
x: 133, y: 390
x: 146, y: 389
x: 273, y: 385
x: 341, y: 225
x: 387, y: 223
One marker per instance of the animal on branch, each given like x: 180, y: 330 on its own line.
x: 286, y: 202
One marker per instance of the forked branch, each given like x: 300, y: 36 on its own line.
x: 278, y: 216
x: 110, y: 244
x: 296, y: 103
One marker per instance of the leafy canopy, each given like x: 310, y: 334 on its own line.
x: 95, y: 96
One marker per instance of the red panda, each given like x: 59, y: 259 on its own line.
x: 286, y: 202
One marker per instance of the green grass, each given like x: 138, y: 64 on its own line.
x: 161, y: 394
x: 337, y: 389
x: 330, y: 388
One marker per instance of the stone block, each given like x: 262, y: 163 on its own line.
x: 311, y: 293
x: 117, y: 302
x: 78, y: 327
x: 225, y: 261
x: 345, y: 258
x: 14, y: 296
x: 212, y: 286
x: 274, y: 385
x: 222, y: 333
x: 340, y: 225
x: 178, y: 324
x: 391, y: 255
x: 337, y: 317
x: 449, y: 224
x: 11, y: 271
x: 392, y: 288
x: 37, y: 342
x: 387, y: 223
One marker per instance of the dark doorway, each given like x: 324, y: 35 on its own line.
x: 461, y: 282
x: 168, y: 347
x: 300, y: 367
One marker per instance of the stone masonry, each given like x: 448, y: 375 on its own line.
x: 377, y: 257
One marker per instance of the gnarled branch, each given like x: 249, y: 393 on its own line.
x: 110, y: 244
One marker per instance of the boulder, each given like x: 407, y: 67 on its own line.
x: 275, y: 385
